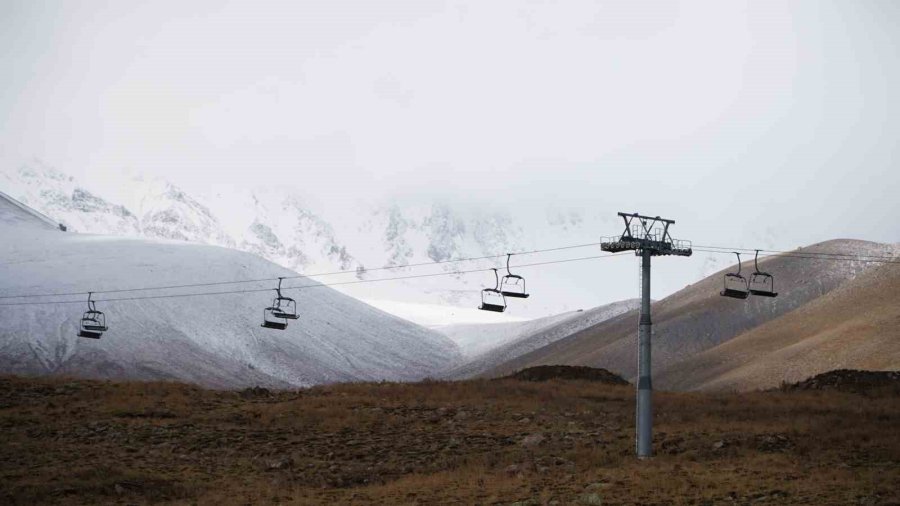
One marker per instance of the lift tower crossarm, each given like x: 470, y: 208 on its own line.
x: 648, y: 237
x: 646, y: 233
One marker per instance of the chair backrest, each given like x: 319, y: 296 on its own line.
x: 735, y: 282
x: 492, y: 296
x: 93, y: 318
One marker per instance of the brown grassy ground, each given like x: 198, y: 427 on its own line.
x: 476, y: 442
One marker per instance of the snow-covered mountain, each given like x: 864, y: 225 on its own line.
x: 211, y: 340
x: 304, y: 234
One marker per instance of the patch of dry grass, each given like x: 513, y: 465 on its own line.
x: 76, y: 442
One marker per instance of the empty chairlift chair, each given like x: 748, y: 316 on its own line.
x: 736, y: 286
x: 492, y: 298
x: 93, y: 322
x: 512, y: 285
x: 762, y: 283
x: 270, y: 321
x: 282, y: 309
x: 285, y: 307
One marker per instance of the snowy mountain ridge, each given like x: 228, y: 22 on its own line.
x: 283, y: 227
x: 214, y: 340
x: 319, y: 234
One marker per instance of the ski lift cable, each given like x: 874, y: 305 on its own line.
x: 811, y: 256
x: 303, y: 287
x: 297, y: 276
x: 797, y: 252
x: 720, y: 250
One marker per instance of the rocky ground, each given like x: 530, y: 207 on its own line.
x: 849, y: 380
x: 475, y: 442
x: 568, y: 372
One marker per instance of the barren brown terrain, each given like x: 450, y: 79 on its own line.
x: 856, y: 325
x: 472, y: 442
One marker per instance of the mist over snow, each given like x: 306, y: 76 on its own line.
x: 297, y: 233
x: 349, y: 135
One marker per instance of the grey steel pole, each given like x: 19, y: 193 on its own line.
x: 644, y: 385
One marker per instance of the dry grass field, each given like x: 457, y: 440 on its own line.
x: 472, y: 442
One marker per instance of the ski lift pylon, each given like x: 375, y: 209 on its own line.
x: 735, y: 285
x: 762, y: 283
x: 93, y: 322
x: 492, y: 298
x: 512, y: 285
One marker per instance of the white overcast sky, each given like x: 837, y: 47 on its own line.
x: 760, y: 119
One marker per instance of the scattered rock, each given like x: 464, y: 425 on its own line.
x: 773, y: 442
x: 592, y: 499
x: 532, y: 440
x: 848, y: 380
x: 282, y: 463
x: 673, y: 446
x: 256, y: 392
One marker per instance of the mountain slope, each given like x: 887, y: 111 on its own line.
x: 856, y: 326
x: 476, y: 339
x: 62, y: 198
x: 508, y: 341
x: 211, y: 340
x: 697, y: 318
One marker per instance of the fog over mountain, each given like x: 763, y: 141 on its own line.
x: 286, y: 228
x: 334, y: 135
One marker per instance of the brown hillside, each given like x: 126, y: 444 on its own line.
x: 696, y: 318
x: 856, y: 326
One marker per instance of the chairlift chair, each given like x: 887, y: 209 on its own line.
x: 271, y: 321
x: 762, y: 283
x: 492, y: 298
x: 284, y: 307
x: 736, y: 286
x: 512, y: 285
x: 93, y: 322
